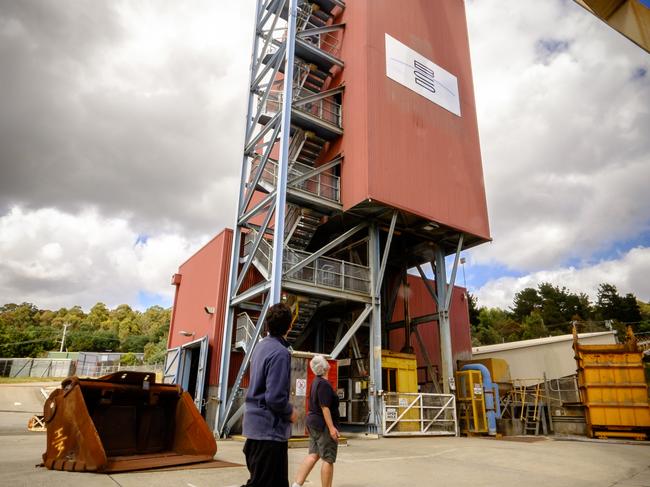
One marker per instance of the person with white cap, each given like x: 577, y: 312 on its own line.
x: 323, y: 425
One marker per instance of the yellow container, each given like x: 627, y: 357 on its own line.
x: 400, y: 371
x: 613, y: 388
x: 400, y: 375
x: 498, y: 368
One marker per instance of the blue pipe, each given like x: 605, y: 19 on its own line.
x: 491, y: 394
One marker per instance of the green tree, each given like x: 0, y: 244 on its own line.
x: 608, y: 302
x: 99, y: 317
x: 129, y: 359
x: 533, y: 326
x: 526, y: 302
x: 496, y: 326
x: 134, y: 343
x: 154, y: 353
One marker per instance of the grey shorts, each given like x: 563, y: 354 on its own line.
x: 322, y: 444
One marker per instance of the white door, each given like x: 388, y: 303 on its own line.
x: 172, y: 366
x: 201, y: 373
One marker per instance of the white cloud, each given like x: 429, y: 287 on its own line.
x: 629, y: 273
x: 563, y: 125
x: 137, y: 109
x: 56, y: 259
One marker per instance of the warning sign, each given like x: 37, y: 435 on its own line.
x: 301, y: 387
x: 478, y: 390
x: 391, y: 414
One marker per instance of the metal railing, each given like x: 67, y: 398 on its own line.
x: 325, y: 109
x: 419, y: 414
x: 324, y: 185
x: 328, y: 272
x: 244, y: 331
x: 322, y: 272
x: 328, y: 42
x: 264, y: 254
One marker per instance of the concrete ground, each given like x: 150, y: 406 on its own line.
x: 386, y: 462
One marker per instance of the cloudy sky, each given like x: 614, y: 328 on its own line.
x: 121, y: 127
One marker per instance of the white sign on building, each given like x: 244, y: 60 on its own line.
x: 409, y: 68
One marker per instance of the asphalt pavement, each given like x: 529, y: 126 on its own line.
x: 433, y: 461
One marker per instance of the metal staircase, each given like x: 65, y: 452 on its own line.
x: 297, y: 133
x: 306, y: 307
x: 301, y: 225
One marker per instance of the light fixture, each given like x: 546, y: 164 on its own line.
x: 430, y: 226
x: 209, y: 309
x: 186, y: 333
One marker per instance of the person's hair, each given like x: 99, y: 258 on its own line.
x: 278, y: 319
x: 319, y: 365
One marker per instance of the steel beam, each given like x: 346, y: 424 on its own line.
x: 323, y: 250
x: 253, y: 251
x: 447, y: 365
x: 318, y: 96
x: 245, y: 363
x: 351, y: 331
x: 283, y: 162
x: 375, y: 325
x: 236, y: 248
x: 452, y: 281
x: 384, y: 259
x: 427, y: 284
x: 316, y: 171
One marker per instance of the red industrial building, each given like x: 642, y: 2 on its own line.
x: 200, y: 304
x: 361, y: 130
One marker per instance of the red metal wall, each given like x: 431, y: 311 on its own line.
x: 401, y: 149
x: 203, y: 282
x: 420, y: 304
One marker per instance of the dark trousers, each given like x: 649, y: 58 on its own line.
x: 267, y: 462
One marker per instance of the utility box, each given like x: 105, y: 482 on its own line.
x: 302, y: 378
x: 613, y: 388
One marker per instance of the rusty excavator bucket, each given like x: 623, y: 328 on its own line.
x: 122, y: 422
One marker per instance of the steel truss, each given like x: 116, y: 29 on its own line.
x: 279, y: 25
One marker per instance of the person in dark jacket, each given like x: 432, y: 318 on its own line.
x: 268, y: 415
x: 323, y: 425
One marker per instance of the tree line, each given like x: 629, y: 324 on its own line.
x: 26, y: 331
x: 551, y: 310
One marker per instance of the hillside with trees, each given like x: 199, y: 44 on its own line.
x: 550, y: 310
x: 26, y: 331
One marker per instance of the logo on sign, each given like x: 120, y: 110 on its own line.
x: 421, y: 75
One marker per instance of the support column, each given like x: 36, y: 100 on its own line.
x: 375, y: 331
x: 283, y: 162
x: 447, y: 364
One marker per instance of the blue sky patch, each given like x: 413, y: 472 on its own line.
x: 141, y: 240
x: 146, y: 300
x: 547, y: 49
x: 640, y: 72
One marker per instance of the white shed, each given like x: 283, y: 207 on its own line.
x: 529, y: 360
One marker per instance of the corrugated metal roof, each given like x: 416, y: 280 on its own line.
x: 500, y: 347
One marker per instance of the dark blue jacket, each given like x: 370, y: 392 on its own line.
x: 268, y: 410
